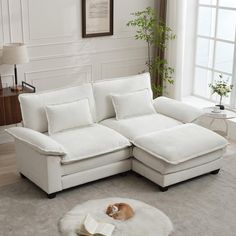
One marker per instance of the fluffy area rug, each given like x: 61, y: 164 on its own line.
x: 147, y: 220
x: 205, y: 206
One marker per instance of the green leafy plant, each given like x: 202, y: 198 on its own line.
x: 156, y: 34
x: 221, y: 87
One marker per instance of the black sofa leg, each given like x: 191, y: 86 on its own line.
x: 22, y: 176
x: 51, y: 195
x: 215, y: 172
x: 123, y: 174
x: 163, y: 189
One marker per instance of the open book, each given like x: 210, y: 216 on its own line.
x: 91, y: 227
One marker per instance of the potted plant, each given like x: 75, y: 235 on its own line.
x: 221, y: 88
x: 156, y: 34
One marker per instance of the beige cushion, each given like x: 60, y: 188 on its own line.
x: 103, y: 90
x: 33, y: 104
x: 39, y: 142
x: 176, y: 109
x: 167, y: 168
x: 181, y: 143
x: 68, y: 116
x: 138, y: 126
x: 133, y: 104
x: 89, y: 141
x: 94, y: 162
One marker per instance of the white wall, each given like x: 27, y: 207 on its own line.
x: 59, y: 56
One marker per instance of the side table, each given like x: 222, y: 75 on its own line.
x: 10, y: 112
x: 223, y: 115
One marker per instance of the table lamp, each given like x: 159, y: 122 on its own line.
x: 14, y: 54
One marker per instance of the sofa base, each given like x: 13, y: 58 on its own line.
x: 173, y: 178
x: 82, y: 177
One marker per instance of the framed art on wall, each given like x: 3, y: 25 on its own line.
x: 97, y: 18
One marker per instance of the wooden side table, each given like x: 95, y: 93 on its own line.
x: 10, y: 112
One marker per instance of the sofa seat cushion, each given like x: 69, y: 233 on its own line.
x: 89, y: 141
x: 164, y: 167
x: 181, y: 143
x: 138, y: 126
x: 95, y: 162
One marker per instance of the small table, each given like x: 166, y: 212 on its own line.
x: 223, y: 115
x: 10, y: 112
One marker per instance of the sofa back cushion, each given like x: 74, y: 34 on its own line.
x: 68, y: 116
x: 133, y: 104
x: 104, y: 89
x: 33, y: 105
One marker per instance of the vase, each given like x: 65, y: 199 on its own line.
x: 222, y: 107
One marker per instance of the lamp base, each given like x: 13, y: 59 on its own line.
x: 16, y: 88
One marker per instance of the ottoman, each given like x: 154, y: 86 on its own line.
x: 177, y: 154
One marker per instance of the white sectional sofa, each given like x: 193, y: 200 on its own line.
x: 80, y: 134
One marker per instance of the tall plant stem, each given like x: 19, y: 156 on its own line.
x: 149, y: 56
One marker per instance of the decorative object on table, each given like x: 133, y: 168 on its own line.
x: 120, y: 211
x: 155, y: 32
x: 216, y: 109
x: 14, y: 54
x: 97, y: 18
x: 222, y: 88
x: 92, y: 227
x: 10, y: 106
x: 148, y: 220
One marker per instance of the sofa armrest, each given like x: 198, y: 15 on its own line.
x: 41, y: 143
x: 176, y: 109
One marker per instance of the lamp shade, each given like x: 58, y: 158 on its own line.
x: 15, y: 53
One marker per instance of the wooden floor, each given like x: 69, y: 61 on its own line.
x: 8, y: 171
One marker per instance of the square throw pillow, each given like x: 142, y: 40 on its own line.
x: 133, y: 104
x: 68, y: 116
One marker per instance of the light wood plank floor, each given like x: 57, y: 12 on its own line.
x: 8, y: 171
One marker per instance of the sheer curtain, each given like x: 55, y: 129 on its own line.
x: 181, y: 18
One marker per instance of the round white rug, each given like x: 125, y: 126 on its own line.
x: 148, y: 220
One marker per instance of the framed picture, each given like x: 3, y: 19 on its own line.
x: 97, y: 18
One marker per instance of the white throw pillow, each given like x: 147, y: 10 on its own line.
x: 133, y: 104
x: 68, y: 115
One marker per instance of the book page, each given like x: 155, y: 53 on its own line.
x: 90, y: 224
x: 105, y: 229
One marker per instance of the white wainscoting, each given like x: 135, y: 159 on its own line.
x: 59, y: 56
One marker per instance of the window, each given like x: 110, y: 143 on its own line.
x: 215, y: 51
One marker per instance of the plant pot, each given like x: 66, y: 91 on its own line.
x: 222, y: 107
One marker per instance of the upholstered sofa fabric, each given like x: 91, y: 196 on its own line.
x: 164, y: 167
x: 138, y: 126
x: 133, y: 104
x: 181, y: 143
x: 103, y: 90
x: 91, y: 141
x: 68, y: 116
x: 177, y: 110
x: 166, y: 150
x: 37, y: 141
x: 96, y: 161
x: 33, y: 105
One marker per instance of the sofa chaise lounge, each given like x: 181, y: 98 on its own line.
x: 75, y: 135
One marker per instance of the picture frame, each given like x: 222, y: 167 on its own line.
x: 97, y: 18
